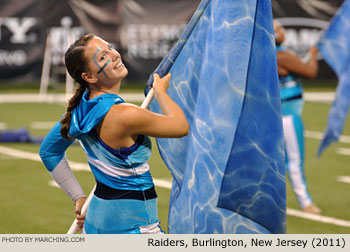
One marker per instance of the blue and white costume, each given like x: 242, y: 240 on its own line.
x: 125, y: 200
x: 292, y: 105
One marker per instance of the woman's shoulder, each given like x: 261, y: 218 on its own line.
x: 122, y: 107
x: 123, y: 112
x: 286, y: 53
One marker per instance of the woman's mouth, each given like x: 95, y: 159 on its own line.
x: 119, y: 64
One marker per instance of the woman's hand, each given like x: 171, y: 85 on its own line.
x: 313, y: 51
x: 80, y: 218
x: 160, y: 84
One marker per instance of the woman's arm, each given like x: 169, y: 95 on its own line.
x: 132, y: 120
x: 52, y: 153
x: 290, y: 63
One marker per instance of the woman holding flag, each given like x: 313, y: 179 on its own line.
x: 290, y: 68
x: 114, y: 135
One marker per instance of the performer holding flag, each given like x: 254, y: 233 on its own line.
x: 229, y: 173
x: 290, y: 68
x: 114, y: 135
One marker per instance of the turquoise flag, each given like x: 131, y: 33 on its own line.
x: 228, y: 173
x: 335, y: 49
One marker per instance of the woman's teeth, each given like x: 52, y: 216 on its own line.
x: 119, y: 64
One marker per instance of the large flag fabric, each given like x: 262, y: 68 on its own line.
x: 335, y: 49
x: 228, y: 173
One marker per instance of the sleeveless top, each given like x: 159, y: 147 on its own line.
x: 290, y: 87
x: 124, y: 169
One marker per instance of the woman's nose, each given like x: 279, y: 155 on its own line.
x: 115, y: 56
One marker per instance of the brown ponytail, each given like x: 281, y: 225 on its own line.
x: 76, y: 65
x: 73, y: 102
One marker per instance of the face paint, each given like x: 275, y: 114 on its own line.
x: 98, y: 65
x: 101, y: 69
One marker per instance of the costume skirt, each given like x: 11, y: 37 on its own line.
x: 114, y: 211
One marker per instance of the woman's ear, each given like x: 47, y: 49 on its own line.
x: 88, y: 77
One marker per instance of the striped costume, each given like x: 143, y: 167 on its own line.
x: 292, y: 105
x: 125, y: 200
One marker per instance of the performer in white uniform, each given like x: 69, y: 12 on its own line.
x: 290, y: 67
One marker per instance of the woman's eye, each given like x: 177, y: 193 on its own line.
x: 110, y: 47
x: 102, y: 57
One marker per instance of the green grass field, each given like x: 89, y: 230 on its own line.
x: 30, y: 205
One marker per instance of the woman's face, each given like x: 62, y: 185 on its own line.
x: 279, y: 32
x: 104, y: 62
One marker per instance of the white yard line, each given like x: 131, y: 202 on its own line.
x: 58, y: 98
x: 76, y: 166
x: 319, y: 135
x: 313, y: 134
x: 3, y: 125
x: 319, y: 218
x: 158, y: 182
x: 42, y: 125
x: 162, y: 183
x: 308, y: 133
x: 53, y: 183
x: 33, y: 125
x: 344, y: 179
x: 343, y: 151
x: 165, y: 184
x: 322, y: 97
x: 19, y: 154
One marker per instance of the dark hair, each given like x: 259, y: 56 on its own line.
x: 76, y: 64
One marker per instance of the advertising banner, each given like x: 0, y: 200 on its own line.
x: 21, y: 40
x: 143, y: 31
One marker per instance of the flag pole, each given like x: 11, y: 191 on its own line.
x: 73, y: 228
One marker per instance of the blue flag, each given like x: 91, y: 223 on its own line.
x: 228, y: 173
x: 335, y: 49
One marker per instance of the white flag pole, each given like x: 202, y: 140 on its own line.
x: 74, y: 226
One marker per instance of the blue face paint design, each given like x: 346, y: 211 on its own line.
x: 98, y: 65
x: 101, y: 69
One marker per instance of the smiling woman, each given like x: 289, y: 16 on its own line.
x: 106, y: 59
x: 115, y: 137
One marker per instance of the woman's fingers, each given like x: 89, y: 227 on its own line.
x: 79, y: 204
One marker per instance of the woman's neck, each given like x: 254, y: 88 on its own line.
x: 96, y: 91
